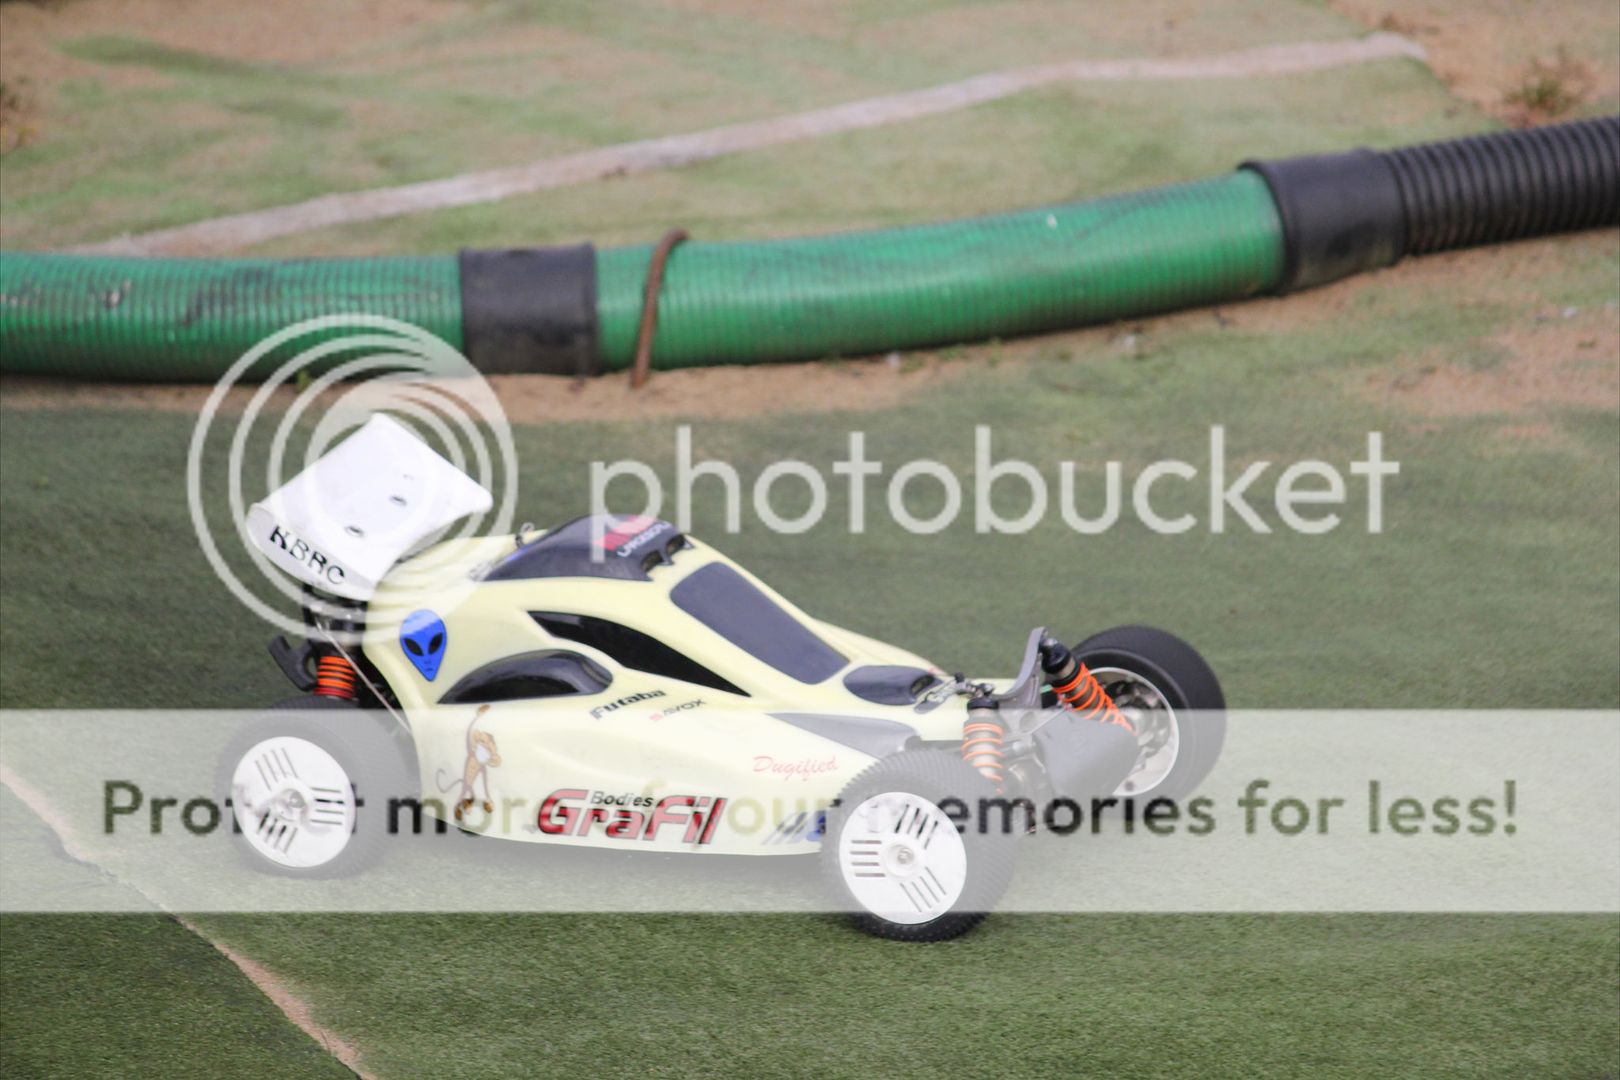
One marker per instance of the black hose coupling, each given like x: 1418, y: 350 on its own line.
x: 527, y: 311
x: 1345, y: 213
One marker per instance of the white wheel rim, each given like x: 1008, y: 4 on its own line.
x: 293, y: 802
x: 902, y: 858
x: 1158, y: 732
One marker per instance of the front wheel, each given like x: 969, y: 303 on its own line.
x: 1173, y: 700
x: 910, y: 850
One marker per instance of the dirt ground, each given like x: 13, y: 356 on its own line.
x: 707, y: 393
x: 1486, y: 50
x: 1560, y: 361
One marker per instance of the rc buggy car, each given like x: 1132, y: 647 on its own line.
x: 614, y: 682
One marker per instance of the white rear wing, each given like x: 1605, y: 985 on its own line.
x: 343, y: 522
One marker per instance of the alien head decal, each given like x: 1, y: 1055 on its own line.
x: 423, y: 638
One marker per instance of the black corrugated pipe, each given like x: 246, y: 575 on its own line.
x: 1344, y: 213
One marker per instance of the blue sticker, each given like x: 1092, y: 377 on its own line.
x: 818, y: 828
x: 423, y: 637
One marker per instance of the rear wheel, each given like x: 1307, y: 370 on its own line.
x: 308, y: 785
x: 896, y: 860
x: 1173, y: 700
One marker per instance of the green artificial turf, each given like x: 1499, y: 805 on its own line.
x: 1495, y: 584
x: 127, y: 995
x: 1027, y: 996
x: 137, y: 996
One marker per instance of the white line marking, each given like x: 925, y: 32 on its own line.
x: 241, y: 230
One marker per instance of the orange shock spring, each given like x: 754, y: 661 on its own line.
x: 982, y: 735
x: 1077, y: 688
x: 335, y: 677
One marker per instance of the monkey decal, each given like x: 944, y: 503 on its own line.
x: 482, y: 756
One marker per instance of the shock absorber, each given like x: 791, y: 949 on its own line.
x: 1076, y: 687
x: 982, y: 737
x: 335, y: 677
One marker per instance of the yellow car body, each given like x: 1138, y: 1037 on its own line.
x: 649, y: 760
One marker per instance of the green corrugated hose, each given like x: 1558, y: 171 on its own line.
x: 1270, y: 226
x: 188, y: 320
x: 854, y: 293
x: 940, y: 284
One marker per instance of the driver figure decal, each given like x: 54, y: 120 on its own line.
x: 482, y: 756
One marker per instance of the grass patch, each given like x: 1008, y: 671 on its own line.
x: 138, y: 52
x: 506, y: 83
x: 1550, y: 88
